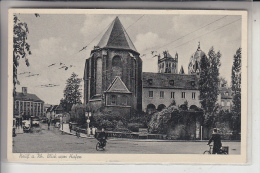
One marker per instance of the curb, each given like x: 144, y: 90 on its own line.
x: 75, y: 134
x: 147, y: 140
x: 160, y: 140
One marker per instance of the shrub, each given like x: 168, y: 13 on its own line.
x: 134, y: 127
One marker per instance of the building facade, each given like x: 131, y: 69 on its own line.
x: 160, y: 90
x: 27, y: 104
x: 113, y: 77
x: 114, y: 61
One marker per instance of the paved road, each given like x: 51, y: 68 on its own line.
x: 43, y: 140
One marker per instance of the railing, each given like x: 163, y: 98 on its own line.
x: 134, y: 135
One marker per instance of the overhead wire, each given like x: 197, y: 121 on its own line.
x: 189, y: 33
x: 127, y: 28
x: 209, y: 32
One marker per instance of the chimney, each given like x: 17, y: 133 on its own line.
x: 24, y: 90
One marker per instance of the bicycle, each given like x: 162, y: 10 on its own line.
x: 101, y: 146
x: 210, y: 151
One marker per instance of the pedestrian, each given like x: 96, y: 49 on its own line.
x: 17, y: 123
x: 93, y: 131
x: 49, y: 123
x: 70, y: 126
x: 217, y: 141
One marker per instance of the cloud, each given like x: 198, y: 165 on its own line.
x: 94, y: 25
x: 50, y: 51
x: 145, y: 43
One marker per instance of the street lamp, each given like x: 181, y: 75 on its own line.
x: 88, y: 114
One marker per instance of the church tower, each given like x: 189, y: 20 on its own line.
x: 112, y: 75
x: 168, y: 64
x: 194, y: 64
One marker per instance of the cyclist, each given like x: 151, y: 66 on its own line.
x: 217, y: 141
x: 102, y: 136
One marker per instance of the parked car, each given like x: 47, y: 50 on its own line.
x: 26, y: 125
x: 35, y: 121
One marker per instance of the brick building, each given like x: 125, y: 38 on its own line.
x: 114, y: 61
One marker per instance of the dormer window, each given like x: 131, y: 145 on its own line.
x: 150, y: 81
x: 171, y: 82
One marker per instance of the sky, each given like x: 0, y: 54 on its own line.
x: 58, y: 38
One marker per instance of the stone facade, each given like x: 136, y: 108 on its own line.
x: 168, y: 64
x: 115, y: 56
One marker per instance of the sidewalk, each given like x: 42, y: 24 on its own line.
x: 83, y: 135
x: 66, y: 130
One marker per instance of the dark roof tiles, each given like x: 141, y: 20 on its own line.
x: 116, y: 37
x: 27, y: 97
x: 170, y: 81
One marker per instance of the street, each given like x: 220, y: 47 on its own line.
x: 42, y: 140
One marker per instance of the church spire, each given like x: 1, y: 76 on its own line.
x: 116, y: 37
x: 198, y: 46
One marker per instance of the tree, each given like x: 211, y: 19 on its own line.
x: 72, y: 92
x: 20, y: 47
x: 236, y: 85
x: 209, y: 80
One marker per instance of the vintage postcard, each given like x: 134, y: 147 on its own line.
x: 127, y: 86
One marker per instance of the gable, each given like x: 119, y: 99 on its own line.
x: 117, y: 86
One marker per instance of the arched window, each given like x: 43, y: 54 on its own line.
x: 99, y: 76
x: 134, y: 77
x: 116, y: 67
x: 113, y: 99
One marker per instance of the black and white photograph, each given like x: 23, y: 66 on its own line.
x: 127, y: 85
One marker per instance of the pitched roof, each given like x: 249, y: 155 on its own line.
x: 170, y: 81
x: 116, y: 37
x: 27, y: 97
x: 118, y: 86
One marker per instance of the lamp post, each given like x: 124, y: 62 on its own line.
x: 88, y: 114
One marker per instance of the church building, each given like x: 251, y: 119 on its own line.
x: 113, y: 72
x: 113, y: 77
